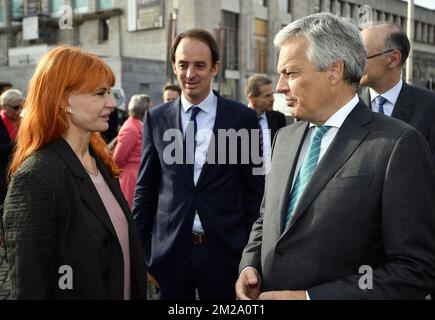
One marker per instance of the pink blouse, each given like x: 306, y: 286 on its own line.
x: 120, y: 224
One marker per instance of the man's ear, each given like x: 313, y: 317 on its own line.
x: 215, y: 68
x: 250, y: 97
x: 336, y: 73
x: 395, y: 58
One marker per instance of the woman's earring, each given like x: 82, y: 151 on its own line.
x: 69, y: 110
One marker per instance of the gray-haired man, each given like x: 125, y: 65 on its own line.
x: 338, y: 218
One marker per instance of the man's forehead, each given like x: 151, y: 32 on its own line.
x: 292, y: 50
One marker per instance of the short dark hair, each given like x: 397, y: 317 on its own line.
x: 4, y: 85
x: 254, y: 84
x: 201, y: 35
x: 172, y: 87
x: 398, y: 40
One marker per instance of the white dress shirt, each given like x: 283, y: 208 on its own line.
x: 205, y: 120
x: 335, y: 121
x: 390, y: 96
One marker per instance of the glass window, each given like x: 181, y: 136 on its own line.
x: 80, y: 4
x: 105, y: 4
x: 2, y: 13
x: 55, y: 5
x: 17, y: 8
x: 231, y: 53
x: 260, y: 46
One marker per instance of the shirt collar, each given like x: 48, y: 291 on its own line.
x: 206, y: 105
x: 337, y: 119
x: 391, y: 95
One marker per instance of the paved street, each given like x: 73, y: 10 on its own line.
x: 4, y: 276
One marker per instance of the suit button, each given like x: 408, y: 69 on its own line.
x: 279, y: 254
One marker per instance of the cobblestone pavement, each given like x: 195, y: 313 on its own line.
x: 5, y: 284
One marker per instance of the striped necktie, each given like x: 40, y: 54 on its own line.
x: 380, y: 100
x: 308, y: 166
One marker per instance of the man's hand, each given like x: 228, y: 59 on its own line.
x: 248, y: 285
x: 152, y: 280
x: 283, y: 295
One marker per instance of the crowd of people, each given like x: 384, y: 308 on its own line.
x: 349, y: 184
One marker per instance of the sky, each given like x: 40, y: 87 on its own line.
x: 430, y: 4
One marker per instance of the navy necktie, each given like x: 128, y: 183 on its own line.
x: 190, y: 137
x: 380, y: 100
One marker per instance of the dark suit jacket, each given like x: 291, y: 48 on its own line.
x: 226, y: 196
x: 276, y: 121
x: 369, y: 202
x: 53, y: 217
x: 415, y: 106
x: 6, y: 146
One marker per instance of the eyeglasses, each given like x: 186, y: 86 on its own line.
x: 380, y: 54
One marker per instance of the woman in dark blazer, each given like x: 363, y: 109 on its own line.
x: 69, y: 231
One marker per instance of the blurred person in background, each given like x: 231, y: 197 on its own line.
x: 129, y: 145
x: 69, y: 231
x: 11, y: 103
x: 171, y: 92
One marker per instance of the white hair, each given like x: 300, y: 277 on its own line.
x: 331, y: 39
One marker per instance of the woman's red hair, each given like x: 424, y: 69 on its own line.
x: 62, y: 72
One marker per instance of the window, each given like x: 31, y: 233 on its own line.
x: 105, y: 4
x: 260, y: 46
x: 55, y: 5
x: 261, y: 2
x: 17, y: 8
x: 103, y: 30
x: 80, y: 6
x: 2, y: 14
x: 231, y: 48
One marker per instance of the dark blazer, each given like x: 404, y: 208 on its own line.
x: 226, y: 196
x: 6, y: 146
x: 370, y: 202
x: 415, y: 106
x: 54, y: 217
x: 276, y: 121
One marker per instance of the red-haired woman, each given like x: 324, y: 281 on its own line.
x: 69, y: 231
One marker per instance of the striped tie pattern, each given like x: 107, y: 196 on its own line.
x: 380, y: 100
x: 308, y: 166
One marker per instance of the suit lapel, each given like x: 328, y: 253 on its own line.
x: 173, y: 119
x: 403, y: 108
x: 286, y: 168
x: 348, y: 138
x: 86, y: 188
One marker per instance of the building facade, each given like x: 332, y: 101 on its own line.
x: 134, y: 36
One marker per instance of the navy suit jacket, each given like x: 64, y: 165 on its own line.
x: 226, y: 196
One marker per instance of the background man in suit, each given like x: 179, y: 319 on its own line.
x: 348, y: 190
x: 387, y: 50
x: 171, y: 92
x: 259, y: 93
x: 195, y: 218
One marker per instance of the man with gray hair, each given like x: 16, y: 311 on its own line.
x: 337, y: 219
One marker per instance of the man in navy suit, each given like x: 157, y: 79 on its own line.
x: 259, y: 93
x: 194, y: 216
